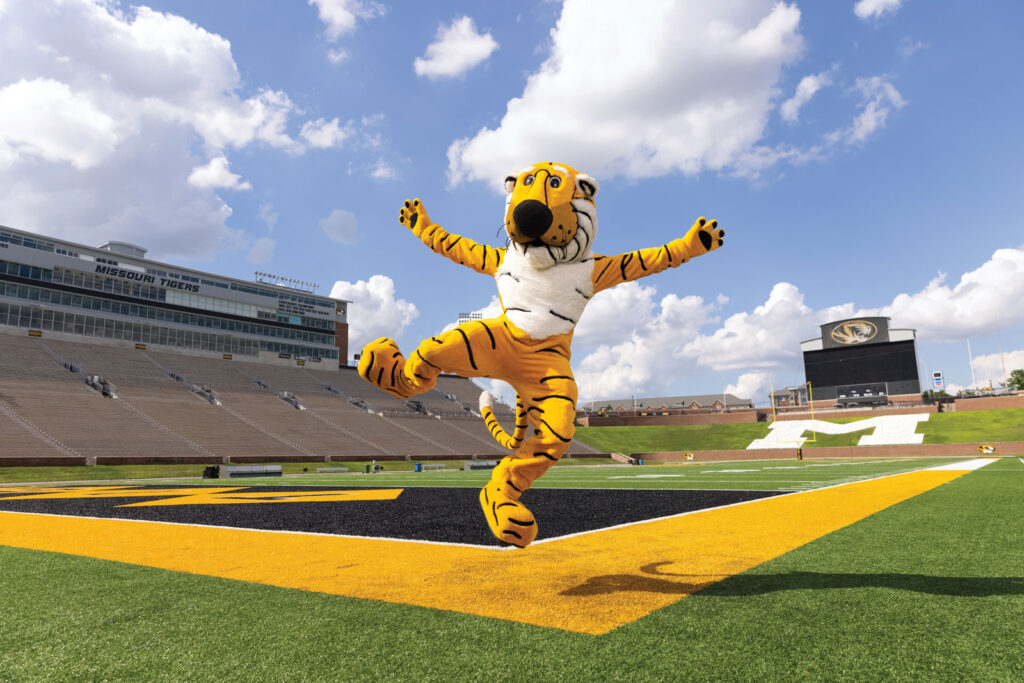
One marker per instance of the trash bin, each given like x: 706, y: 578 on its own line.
x: 418, y: 467
x: 366, y: 469
x: 211, y: 472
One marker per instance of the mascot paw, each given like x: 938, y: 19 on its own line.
x: 381, y: 364
x: 510, y: 521
x: 413, y: 214
x: 705, y: 233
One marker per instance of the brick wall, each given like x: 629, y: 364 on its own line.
x: 910, y: 450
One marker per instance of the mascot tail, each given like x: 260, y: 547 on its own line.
x: 504, y: 439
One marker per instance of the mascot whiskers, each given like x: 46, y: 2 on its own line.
x: 545, y: 277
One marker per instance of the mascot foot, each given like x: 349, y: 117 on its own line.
x: 510, y: 521
x: 381, y: 364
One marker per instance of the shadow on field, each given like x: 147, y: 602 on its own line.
x: 653, y: 580
x: 968, y: 586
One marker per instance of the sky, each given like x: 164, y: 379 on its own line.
x: 863, y: 156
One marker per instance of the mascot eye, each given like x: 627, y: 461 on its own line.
x: 555, y: 182
x: 529, y: 180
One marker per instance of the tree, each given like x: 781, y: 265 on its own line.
x: 1016, y: 380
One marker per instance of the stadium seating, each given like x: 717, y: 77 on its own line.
x: 156, y: 415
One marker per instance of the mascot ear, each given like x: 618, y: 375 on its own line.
x: 586, y: 185
x: 510, y: 183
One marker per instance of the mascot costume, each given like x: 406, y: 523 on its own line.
x: 545, y: 277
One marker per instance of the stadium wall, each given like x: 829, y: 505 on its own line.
x: 644, y: 420
x: 989, y: 403
x: 910, y: 450
x: 820, y: 413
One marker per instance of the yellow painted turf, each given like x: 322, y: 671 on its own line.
x: 591, y: 583
x: 203, y: 495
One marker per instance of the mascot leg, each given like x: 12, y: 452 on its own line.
x: 550, y: 400
x: 468, y: 350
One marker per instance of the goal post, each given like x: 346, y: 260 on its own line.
x: 810, y: 401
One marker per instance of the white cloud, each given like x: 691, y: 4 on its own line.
x: 96, y: 101
x: 878, y: 99
x: 985, y: 299
x: 44, y: 119
x: 341, y: 226
x: 873, y: 9
x: 145, y: 199
x: 952, y: 388
x: 996, y: 367
x: 268, y: 215
x: 456, y: 49
x: 805, y: 90
x: 626, y: 95
x: 640, y: 342
x: 374, y: 311
x: 340, y: 16
x: 491, y: 310
x: 325, y: 134
x: 908, y: 46
x: 337, y: 55
x: 768, y: 336
x: 383, y: 171
x: 217, y: 174
x: 261, y: 251
x: 629, y: 342
x: 752, y: 385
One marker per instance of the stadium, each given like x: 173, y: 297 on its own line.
x: 131, y: 389
x: 784, y: 441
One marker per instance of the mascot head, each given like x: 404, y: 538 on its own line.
x: 550, y: 214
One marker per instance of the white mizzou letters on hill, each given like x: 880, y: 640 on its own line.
x: 888, y: 429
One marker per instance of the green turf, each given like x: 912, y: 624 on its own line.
x: 769, y: 475
x: 977, y: 426
x: 162, y: 471
x: 930, y: 589
x: 659, y: 438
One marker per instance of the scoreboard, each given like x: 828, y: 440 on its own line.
x: 864, y: 352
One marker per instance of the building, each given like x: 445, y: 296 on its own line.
x: 862, y: 361
x: 791, y: 396
x: 112, y: 294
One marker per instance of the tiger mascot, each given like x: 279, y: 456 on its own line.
x: 545, y: 277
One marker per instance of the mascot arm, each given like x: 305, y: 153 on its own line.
x: 703, y: 237
x: 464, y: 251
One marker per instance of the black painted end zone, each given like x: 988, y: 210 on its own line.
x: 447, y: 515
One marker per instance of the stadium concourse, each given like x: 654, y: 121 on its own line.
x: 68, y: 402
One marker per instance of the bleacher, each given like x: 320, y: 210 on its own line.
x: 48, y: 411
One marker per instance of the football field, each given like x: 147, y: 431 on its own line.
x: 760, y: 569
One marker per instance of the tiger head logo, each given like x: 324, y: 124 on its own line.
x: 550, y: 214
x: 854, y: 332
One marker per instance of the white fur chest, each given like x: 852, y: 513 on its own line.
x: 545, y: 302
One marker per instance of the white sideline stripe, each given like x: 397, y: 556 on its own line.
x: 729, y: 505
x: 262, y: 531
x: 966, y: 465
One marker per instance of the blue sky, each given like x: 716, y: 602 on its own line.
x: 864, y: 157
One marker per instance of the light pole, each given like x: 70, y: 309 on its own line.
x: 974, y: 382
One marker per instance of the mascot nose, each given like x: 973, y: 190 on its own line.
x: 532, y: 218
